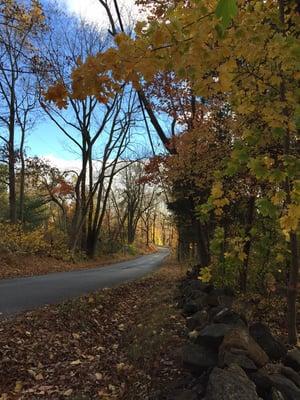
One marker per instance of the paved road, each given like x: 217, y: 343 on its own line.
x: 20, y: 294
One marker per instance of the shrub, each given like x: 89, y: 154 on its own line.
x: 14, y: 239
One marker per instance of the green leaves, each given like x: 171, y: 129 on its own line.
x: 266, y: 208
x: 226, y: 10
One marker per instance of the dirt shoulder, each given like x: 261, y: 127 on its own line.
x: 12, y: 266
x: 120, y: 343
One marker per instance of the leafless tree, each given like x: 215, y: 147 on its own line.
x: 98, y: 133
x: 17, y: 98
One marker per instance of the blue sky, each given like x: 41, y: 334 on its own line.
x: 46, y: 140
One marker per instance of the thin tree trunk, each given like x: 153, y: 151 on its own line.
x: 292, y: 290
x: 22, y: 179
x: 247, y: 246
x: 202, y: 246
x: 12, y: 160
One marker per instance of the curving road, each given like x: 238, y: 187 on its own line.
x: 20, y: 294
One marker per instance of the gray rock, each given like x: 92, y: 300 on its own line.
x: 237, y: 357
x: 277, y: 395
x: 199, y: 388
x: 197, y: 295
x: 195, y: 284
x: 191, y: 305
x: 220, y: 297
x: 227, y: 316
x: 262, y: 335
x: 212, y: 300
x: 197, y: 320
x: 291, y: 374
x: 239, y: 338
x: 285, y: 386
x: 185, y: 395
x: 213, y: 335
x: 292, y: 359
x: 231, y: 383
x: 190, y: 308
x: 262, y: 382
x: 213, y: 311
x: 198, y: 358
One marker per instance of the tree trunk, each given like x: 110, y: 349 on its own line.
x: 154, y: 229
x: 183, y: 245
x: 247, y: 246
x: 22, y: 179
x: 83, y: 197
x: 292, y: 290
x: 130, y: 234
x: 202, y: 245
x: 12, y: 175
x: 91, y: 244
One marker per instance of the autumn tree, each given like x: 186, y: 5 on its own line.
x: 19, y: 25
x: 138, y: 199
x: 99, y: 130
x: 203, y: 45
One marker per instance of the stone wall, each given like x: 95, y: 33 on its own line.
x: 227, y: 358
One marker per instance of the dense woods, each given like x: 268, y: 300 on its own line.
x: 217, y: 83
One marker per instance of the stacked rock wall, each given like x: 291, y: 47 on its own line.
x: 227, y: 358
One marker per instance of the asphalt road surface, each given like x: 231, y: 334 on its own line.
x: 20, y: 294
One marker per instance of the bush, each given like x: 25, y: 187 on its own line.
x: 131, y: 249
x: 14, y: 239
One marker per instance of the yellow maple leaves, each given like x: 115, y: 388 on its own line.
x: 218, y: 200
x: 217, y: 190
x: 57, y: 94
x: 249, y: 63
x: 226, y: 74
x: 205, y: 274
x: 289, y: 222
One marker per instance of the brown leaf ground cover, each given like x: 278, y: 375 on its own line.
x: 16, y: 265
x: 120, y: 343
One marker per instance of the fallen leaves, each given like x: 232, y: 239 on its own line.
x: 76, y: 362
x: 98, y: 376
x: 37, y: 376
x: 68, y: 392
x: 18, y: 386
x: 114, y: 347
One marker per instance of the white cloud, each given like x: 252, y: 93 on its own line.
x: 93, y: 11
x: 62, y: 164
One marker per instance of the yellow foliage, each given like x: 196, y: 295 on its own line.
x: 205, y: 274
x: 57, y: 94
x: 187, y: 42
x: 226, y: 74
x: 290, y: 221
x: 217, y: 190
x: 278, y: 198
x: 15, y: 240
x: 219, y: 203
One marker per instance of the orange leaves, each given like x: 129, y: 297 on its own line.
x: 90, y: 78
x: 154, y: 170
x: 63, y: 188
x: 87, y: 80
x: 199, y: 153
x: 21, y: 16
x: 57, y: 94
